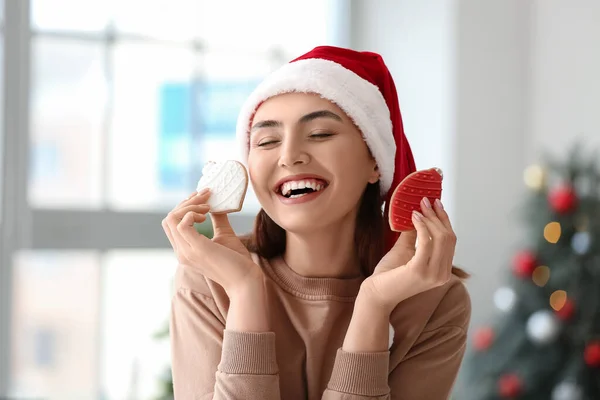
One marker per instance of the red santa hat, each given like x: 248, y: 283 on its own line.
x: 362, y: 86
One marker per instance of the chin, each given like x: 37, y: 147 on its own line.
x: 298, y: 224
x: 308, y: 222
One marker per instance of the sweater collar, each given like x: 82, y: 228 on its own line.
x: 341, y: 289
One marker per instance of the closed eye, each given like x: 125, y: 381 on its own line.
x: 317, y: 136
x: 266, y: 143
x: 321, y: 135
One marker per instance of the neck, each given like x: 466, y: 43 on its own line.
x: 327, y: 252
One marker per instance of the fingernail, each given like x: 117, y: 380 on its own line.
x: 203, y: 191
x: 439, y: 203
x: 417, y: 215
x: 426, y: 202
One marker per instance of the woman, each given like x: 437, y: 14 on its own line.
x: 301, y: 309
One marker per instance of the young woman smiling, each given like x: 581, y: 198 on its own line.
x: 301, y: 308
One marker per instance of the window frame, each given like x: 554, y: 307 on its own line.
x: 24, y: 227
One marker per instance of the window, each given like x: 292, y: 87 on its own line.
x: 126, y: 106
x: 68, y: 105
x: 127, y: 99
x: 55, y: 329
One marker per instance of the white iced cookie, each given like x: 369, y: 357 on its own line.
x: 228, y: 182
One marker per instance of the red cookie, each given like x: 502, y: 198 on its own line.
x: 408, y: 194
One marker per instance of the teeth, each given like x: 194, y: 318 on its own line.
x: 287, y: 187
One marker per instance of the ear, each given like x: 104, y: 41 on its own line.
x: 375, y: 175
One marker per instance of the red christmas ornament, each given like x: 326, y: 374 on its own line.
x: 563, y: 199
x: 524, y: 263
x: 567, y: 311
x: 483, y: 338
x: 510, y: 385
x: 591, y: 354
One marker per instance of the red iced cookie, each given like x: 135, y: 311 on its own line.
x: 408, y: 194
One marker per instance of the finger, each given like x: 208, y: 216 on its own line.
x: 443, y: 242
x: 185, y: 228
x: 436, y: 232
x: 174, y: 218
x: 198, y: 208
x: 202, y: 250
x: 221, y: 225
x: 425, y: 244
x: 187, y: 199
x: 429, y: 212
x: 167, y: 230
x: 195, y: 198
x: 174, y: 238
x: 442, y: 214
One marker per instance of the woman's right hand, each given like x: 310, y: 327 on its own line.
x: 224, y: 259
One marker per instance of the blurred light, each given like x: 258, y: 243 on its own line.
x: 558, y: 299
x: 535, y: 177
x: 541, y: 275
x: 581, y: 242
x: 505, y: 299
x: 552, y: 232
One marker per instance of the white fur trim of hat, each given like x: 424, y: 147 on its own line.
x: 358, y: 98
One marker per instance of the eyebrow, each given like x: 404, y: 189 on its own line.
x: 270, y: 123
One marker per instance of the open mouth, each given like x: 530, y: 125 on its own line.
x: 299, y: 188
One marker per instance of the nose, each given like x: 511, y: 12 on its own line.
x: 292, y: 154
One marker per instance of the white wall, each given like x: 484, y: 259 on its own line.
x: 565, y: 83
x: 491, y: 104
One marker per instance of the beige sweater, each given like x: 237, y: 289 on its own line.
x: 302, y: 358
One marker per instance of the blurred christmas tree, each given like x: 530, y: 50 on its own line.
x: 165, y: 391
x: 545, y: 342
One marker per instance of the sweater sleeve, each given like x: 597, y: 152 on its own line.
x: 426, y: 372
x: 210, y: 362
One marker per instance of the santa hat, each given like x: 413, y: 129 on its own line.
x: 362, y: 86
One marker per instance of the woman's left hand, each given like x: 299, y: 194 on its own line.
x: 404, y: 272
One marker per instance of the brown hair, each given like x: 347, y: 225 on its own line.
x: 268, y: 238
